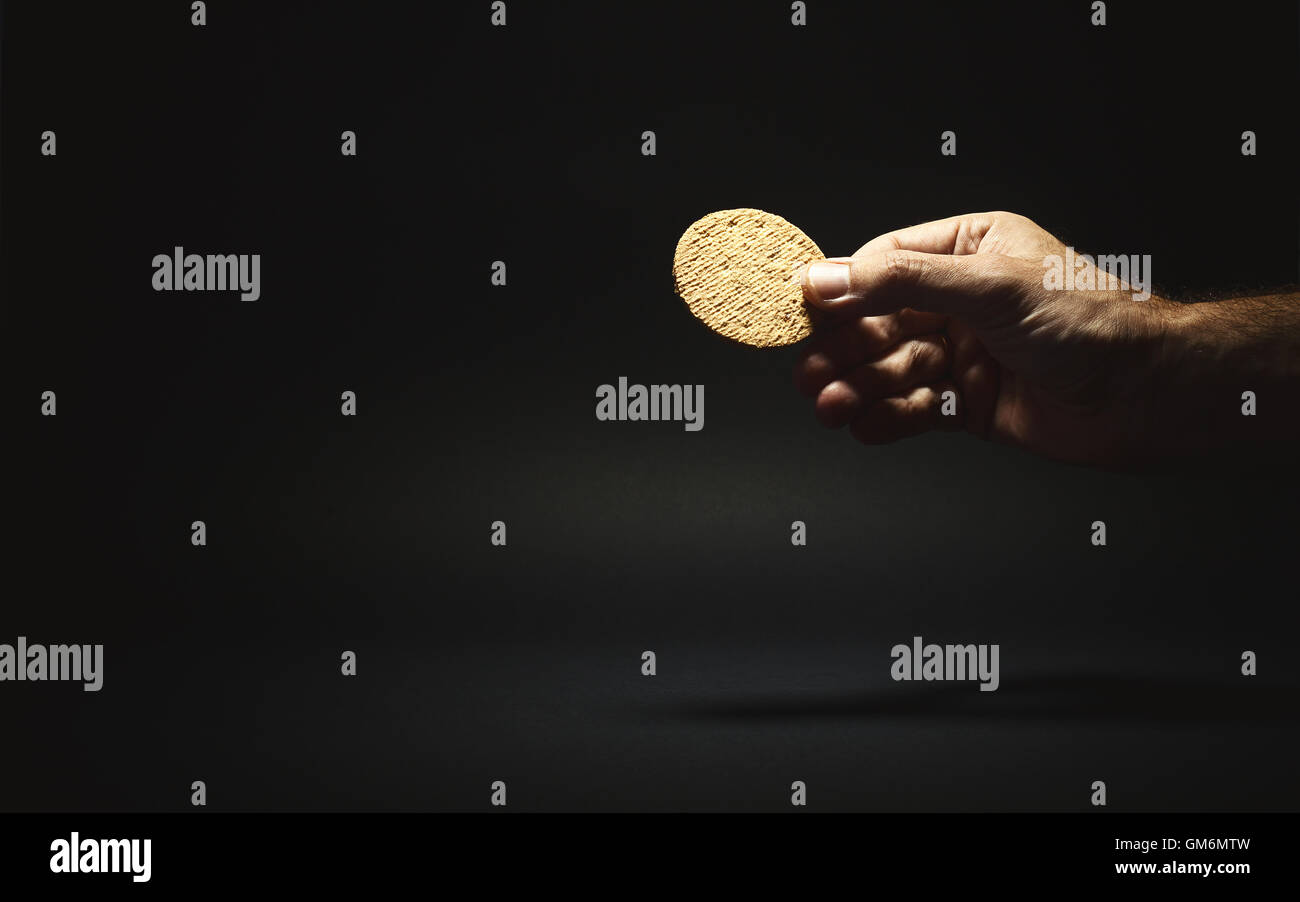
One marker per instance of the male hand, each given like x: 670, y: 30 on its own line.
x: 1088, y: 376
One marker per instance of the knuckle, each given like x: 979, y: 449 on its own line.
x: 1006, y: 217
x: 933, y: 357
x: 901, y: 267
x: 878, y: 331
x: 917, y: 354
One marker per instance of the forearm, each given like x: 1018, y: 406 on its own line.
x: 1213, y: 353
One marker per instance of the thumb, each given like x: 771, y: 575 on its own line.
x: 965, y: 286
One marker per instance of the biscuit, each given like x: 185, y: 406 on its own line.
x: 739, y: 273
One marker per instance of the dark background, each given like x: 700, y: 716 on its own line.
x: 476, y: 403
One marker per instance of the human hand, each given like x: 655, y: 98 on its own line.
x: 960, y: 305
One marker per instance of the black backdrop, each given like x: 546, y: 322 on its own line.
x: 476, y: 403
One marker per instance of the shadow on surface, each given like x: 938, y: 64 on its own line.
x: 1104, y: 698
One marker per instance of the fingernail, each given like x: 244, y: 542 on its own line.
x: 828, y: 281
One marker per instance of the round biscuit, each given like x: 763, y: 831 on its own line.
x: 739, y: 273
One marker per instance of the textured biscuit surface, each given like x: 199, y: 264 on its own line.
x: 739, y: 273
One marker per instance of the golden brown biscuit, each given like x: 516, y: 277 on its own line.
x: 739, y: 273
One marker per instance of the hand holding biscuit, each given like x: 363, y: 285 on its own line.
x: 959, y: 310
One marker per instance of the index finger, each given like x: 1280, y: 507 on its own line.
x: 954, y: 235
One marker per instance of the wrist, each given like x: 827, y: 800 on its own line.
x: 1209, y: 355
